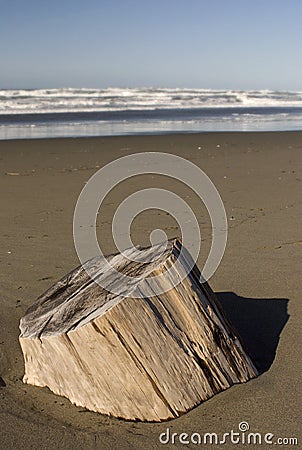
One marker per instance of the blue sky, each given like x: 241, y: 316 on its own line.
x: 231, y: 44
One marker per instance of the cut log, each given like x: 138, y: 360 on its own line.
x: 150, y: 358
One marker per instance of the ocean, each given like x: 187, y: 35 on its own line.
x: 44, y: 113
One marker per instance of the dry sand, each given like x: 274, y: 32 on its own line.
x: 259, y: 176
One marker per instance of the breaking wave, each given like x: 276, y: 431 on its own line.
x: 69, y: 100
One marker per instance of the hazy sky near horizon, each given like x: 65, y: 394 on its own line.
x: 235, y: 44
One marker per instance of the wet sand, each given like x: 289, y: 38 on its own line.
x: 259, y: 177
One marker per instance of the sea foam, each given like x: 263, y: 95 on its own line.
x: 66, y: 100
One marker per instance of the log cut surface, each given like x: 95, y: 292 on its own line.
x: 150, y: 358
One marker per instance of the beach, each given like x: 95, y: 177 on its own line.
x: 259, y: 177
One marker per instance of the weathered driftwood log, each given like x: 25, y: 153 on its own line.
x: 149, y: 358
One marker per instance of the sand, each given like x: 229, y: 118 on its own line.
x: 259, y: 177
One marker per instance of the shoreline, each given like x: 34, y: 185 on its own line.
x: 151, y: 134
x: 259, y: 177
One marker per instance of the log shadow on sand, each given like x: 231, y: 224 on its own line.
x: 259, y: 323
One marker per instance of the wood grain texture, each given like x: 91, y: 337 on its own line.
x: 150, y: 358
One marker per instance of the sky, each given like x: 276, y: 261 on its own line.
x: 219, y: 44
